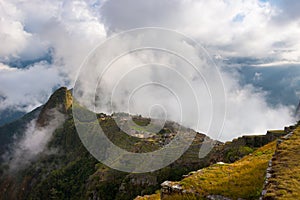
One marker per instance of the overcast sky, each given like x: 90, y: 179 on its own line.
x: 44, y: 42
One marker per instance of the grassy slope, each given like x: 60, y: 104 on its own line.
x: 242, y: 179
x: 149, y: 197
x: 285, y: 180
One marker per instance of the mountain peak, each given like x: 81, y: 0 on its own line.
x: 60, y: 100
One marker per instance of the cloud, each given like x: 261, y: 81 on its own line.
x: 12, y: 35
x: 33, y: 142
x: 32, y: 30
x: 248, y: 111
x: 118, y: 15
x: 29, y: 29
x: 69, y: 30
x: 129, y: 85
x: 18, y: 42
x: 288, y: 10
x: 25, y: 89
x: 239, y: 28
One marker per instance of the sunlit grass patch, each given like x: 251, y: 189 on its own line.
x: 285, y: 182
x: 149, y: 197
x: 242, y: 179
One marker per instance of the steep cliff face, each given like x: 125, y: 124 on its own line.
x: 60, y: 100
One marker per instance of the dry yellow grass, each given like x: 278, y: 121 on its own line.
x: 242, y: 179
x: 285, y: 184
x: 149, y: 197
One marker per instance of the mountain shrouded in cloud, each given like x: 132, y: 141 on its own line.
x: 46, y: 159
x: 111, y: 99
x: 44, y: 43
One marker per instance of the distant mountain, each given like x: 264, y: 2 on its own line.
x: 15, y: 129
x: 8, y: 115
x: 45, y: 159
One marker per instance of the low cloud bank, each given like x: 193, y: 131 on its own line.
x: 34, y: 142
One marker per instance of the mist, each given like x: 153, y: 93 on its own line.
x: 158, y: 84
x: 66, y: 31
x: 33, y: 142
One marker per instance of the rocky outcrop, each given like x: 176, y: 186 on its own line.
x: 170, y: 188
x: 60, y: 100
x: 268, y: 175
x: 259, y: 140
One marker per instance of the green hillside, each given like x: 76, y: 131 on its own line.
x: 72, y: 173
x: 66, y: 170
